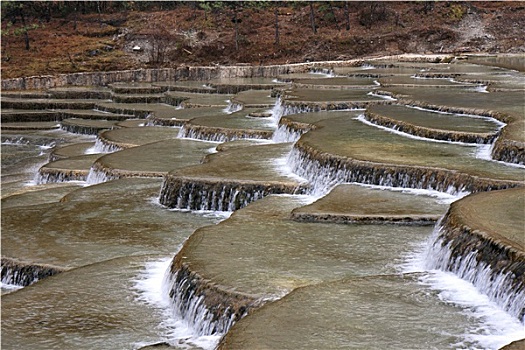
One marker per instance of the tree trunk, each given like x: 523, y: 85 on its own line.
x: 312, y: 18
x: 236, y: 29
x: 347, y: 16
x: 276, y: 11
x: 26, y: 30
x: 333, y: 14
x: 26, y: 38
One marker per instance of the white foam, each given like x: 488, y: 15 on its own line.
x: 232, y: 107
x: 485, y: 152
x: 214, y: 214
x: 92, y: 150
x: 442, y: 197
x: 481, y: 88
x: 150, y: 288
x: 9, y: 287
x: 363, y: 120
x: 384, y: 97
x: 494, y: 327
x: 282, y: 168
x: 277, y: 112
x: 499, y: 123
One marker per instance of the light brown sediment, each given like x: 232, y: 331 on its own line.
x: 444, y: 135
x: 515, y: 345
x: 218, y: 194
x: 110, y: 173
x: 505, y: 149
x: 189, y: 73
x: 196, y: 297
x: 367, y: 219
x: 366, y: 172
x: 210, y: 133
x: 42, y: 104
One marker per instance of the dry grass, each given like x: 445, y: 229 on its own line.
x: 103, y: 42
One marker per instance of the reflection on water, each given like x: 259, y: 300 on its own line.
x: 342, y: 285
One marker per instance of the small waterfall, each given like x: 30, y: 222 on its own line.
x: 221, y: 135
x: 233, y: 107
x: 24, y: 274
x: 98, y: 176
x: 285, y: 134
x: 191, y: 306
x: 492, y: 269
x: 223, y: 198
x: 328, y: 72
x: 82, y: 129
x: 102, y: 146
x: 277, y: 111
x: 509, y: 152
x: 324, y: 172
x: 45, y: 176
x: 181, y: 193
x: 282, y: 108
x: 291, y: 108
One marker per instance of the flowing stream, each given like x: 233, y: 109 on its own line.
x: 311, y: 226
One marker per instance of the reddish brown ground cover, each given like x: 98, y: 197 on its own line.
x: 189, y: 35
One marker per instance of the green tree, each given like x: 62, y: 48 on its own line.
x: 14, y: 11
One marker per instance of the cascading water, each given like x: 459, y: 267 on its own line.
x: 327, y: 72
x: 285, y: 134
x: 46, y: 177
x: 219, y: 197
x: 178, y: 330
x: 103, y: 147
x: 98, y: 176
x: 333, y: 171
x: 192, y: 308
x: 494, y: 296
x: 499, y: 288
x: 21, y: 274
x: 233, y: 107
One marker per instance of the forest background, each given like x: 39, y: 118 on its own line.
x: 51, y: 37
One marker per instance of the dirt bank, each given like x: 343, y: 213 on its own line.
x: 187, y: 34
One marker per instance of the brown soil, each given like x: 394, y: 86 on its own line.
x: 103, y: 42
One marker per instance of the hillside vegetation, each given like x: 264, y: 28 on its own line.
x: 40, y: 38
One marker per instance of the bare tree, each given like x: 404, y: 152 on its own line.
x: 312, y: 17
x: 347, y: 16
x: 276, y: 12
x: 332, y: 12
x: 235, y: 6
x: 160, y: 40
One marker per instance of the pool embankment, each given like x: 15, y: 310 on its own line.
x: 218, y: 194
x: 189, y: 73
x: 207, y: 306
x: 481, y: 240
x: 506, y: 147
x: 430, y: 133
x: 22, y: 273
x: 313, y: 163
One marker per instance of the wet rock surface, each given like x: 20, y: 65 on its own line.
x: 493, y: 239
x: 191, y: 140
x: 358, y: 204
